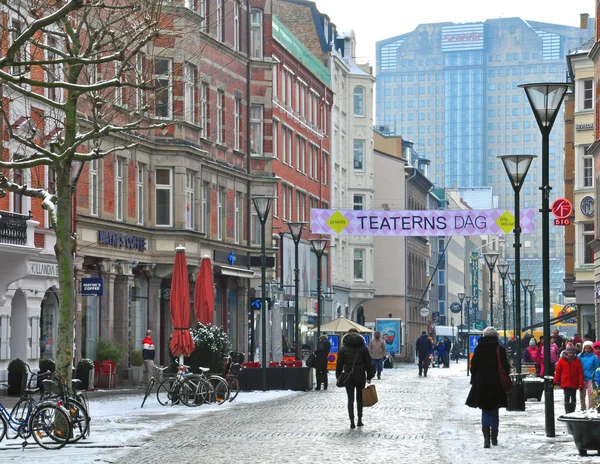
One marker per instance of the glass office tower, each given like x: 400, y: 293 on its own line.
x: 452, y: 89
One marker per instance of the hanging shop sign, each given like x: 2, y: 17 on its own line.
x: 456, y: 307
x: 92, y: 286
x: 587, y: 206
x: 562, y: 210
x: 419, y: 223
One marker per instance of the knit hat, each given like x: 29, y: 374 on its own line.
x: 571, y: 348
x: 532, y: 342
x: 588, y: 343
x: 596, y: 345
x: 490, y: 332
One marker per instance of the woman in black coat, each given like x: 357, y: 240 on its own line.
x: 486, y: 392
x: 354, y: 357
x: 321, y: 355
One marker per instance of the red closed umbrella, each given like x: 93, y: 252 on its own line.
x: 181, y: 341
x: 204, y: 299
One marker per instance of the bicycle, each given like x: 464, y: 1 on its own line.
x: 184, y: 388
x: 152, y: 382
x: 47, y: 422
x: 232, y: 371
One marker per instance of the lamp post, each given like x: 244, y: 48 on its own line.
x: 490, y: 259
x: 461, y: 297
x: 545, y: 100
x: 468, y: 300
x: 318, y: 246
x: 524, y: 285
x: 262, y: 206
x: 531, y: 289
x: 296, y: 229
x: 511, y: 278
x: 503, y: 270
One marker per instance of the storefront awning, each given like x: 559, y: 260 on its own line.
x: 234, y: 271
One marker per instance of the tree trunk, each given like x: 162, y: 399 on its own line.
x: 64, y: 249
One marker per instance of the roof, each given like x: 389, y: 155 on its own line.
x: 291, y: 43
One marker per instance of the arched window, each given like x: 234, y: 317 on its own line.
x: 359, y: 101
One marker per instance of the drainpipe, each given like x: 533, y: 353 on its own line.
x: 406, y: 306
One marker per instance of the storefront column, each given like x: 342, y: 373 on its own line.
x: 243, y: 308
x: 154, y: 313
x: 107, y: 300
x: 79, y: 273
x: 122, y: 301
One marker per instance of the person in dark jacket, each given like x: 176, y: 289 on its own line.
x: 486, y: 392
x: 448, y: 345
x: 320, y: 365
x: 423, y: 347
x: 354, y: 357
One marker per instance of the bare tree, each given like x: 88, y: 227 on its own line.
x: 71, y: 75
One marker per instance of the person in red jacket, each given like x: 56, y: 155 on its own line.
x: 569, y: 376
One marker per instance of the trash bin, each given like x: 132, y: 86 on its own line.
x: 516, y: 397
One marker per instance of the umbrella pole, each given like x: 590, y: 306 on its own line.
x: 181, y: 359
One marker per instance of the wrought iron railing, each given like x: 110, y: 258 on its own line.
x: 13, y: 228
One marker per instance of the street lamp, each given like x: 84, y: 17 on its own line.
x: 468, y: 300
x: 545, y: 100
x: 516, y: 167
x: 524, y: 285
x: 503, y: 270
x: 511, y: 278
x: 296, y: 229
x: 262, y: 206
x: 318, y: 246
x: 490, y: 259
x: 531, y: 289
x: 461, y: 297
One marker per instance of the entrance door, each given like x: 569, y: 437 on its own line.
x: 18, y: 326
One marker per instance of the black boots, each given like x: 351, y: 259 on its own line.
x: 569, y: 407
x: 352, y: 426
x: 486, y: 436
x: 360, y: 422
x: 494, y: 437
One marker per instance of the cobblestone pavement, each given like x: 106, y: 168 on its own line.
x: 312, y: 428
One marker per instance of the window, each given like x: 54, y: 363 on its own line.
x: 301, y: 204
x: 237, y: 122
x: 53, y: 69
x: 139, y: 79
x: 203, y: 14
x: 164, y: 197
x: 205, y: 206
x: 325, y: 169
x: 51, y: 180
x: 301, y: 154
x: 221, y: 211
x: 204, y: 97
x: 237, y: 232
x: 275, y: 139
x: 255, y: 233
x: 358, y: 202
x: 220, y: 115
x: 139, y: 193
x: 256, y: 26
x: 220, y: 20
x: 359, y: 265
x: 94, y: 187
x: 256, y: 130
x: 359, y: 101
x: 163, y: 84
x: 236, y: 25
x: 588, y: 168
x: 359, y: 154
x: 190, y: 217
x: 190, y: 93
x: 588, y: 236
x: 119, y: 188
x: 588, y: 94
x: 20, y: 54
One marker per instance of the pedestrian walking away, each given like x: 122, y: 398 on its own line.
x: 354, y: 357
x: 589, y: 364
x: 321, y: 355
x: 148, y: 356
x: 448, y: 347
x: 378, y: 352
x: 423, y: 347
x: 486, y: 391
x: 569, y: 376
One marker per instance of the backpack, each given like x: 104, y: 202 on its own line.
x: 310, y: 361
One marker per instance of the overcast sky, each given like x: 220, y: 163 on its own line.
x: 374, y: 20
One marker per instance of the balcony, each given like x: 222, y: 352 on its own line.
x: 13, y: 228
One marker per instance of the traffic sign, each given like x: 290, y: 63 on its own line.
x: 480, y: 325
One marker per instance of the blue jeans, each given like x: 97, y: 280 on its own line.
x: 378, y: 365
x: 490, y: 418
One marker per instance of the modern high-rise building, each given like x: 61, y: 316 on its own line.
x: 453, y: 90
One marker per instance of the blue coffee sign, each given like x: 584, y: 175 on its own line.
x: 92, y: 286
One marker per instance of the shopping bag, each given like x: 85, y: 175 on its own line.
x: 369, y: 396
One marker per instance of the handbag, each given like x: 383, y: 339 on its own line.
x: 504, y: 378
x: 369, y: 396
x: 344, y: 377
x: 310, y: 361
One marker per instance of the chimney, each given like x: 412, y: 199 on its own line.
x: 583, y: 21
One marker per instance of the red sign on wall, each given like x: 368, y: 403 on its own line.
x: 562, y: 210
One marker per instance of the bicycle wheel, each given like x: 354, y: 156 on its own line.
x: 19, y: 413
x: 3, y: 427
x: 194, y: 392
x: 220, y: 391
x: 80, y: 421
x: 234, y: 388
x: 148, y: 390
x: 82, y: 398
x: 50, y: 426
x: 167, y: 393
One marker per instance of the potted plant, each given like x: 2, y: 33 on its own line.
x: 212, y: 345
x: 17, y: 377
x: 85, y: 373
x: 46, y: 365
x: 584, y: 426
x: 109, y: 350
x: 137, y: 366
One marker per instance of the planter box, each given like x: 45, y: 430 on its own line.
x: 136, y: 374
x: 534, y: 388
x: 87, y: 377
x: 16, y: 384
x: 585, y: 432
